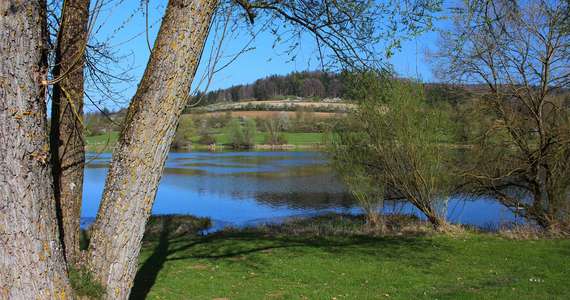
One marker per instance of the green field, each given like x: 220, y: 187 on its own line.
x: 105, y: 142
x: 101, y: 143
x: 304, y: 138
x: 267, y: 265
x: 293, y: 138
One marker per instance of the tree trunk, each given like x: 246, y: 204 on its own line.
x: 31, y: 260
x: 67, y: 144
x: 435, y: 221
x: 140, y: 153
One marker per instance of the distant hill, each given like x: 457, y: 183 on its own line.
x: 317, y: 86
x: 306, y: 85
x: 326, y: 105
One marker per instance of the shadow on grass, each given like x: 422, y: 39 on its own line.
x: 148, y: 272
x: 240, y: 244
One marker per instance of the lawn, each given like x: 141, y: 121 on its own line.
x: 106, y: 142
x: 293, y: 138
x: 261, y: 265
x: 103, y: 142
x: 304, y: 138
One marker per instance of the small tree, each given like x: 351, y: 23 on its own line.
x: 249, y: 133
x: 363, y: 86
x: 235, y: 133
x: 284, y: 121
x: 368, y: 193
x: 274, y: 130
x: 184, y: 133
x: 395, y: 140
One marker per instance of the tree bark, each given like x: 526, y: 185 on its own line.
x: 140, y: 153
x: 67, y: 143
x: 31, y: 260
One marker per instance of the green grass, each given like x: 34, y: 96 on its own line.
x: 103, y: 142
x: 304, y: 138
x: 83, y: 284
x: 223, y: 138
x: 263, y: 265
x: 106, y: 142
x: 293, y: 138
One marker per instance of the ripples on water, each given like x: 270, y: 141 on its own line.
x: 246, y: 188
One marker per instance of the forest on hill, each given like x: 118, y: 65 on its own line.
x: 319, y: 85
x: 306, y: 84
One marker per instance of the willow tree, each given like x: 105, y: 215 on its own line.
x: 31, y: 259
x: 395, y: 143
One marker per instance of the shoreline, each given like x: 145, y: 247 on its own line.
x: 221, y: 148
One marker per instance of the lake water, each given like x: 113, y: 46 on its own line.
x: 248, y: 188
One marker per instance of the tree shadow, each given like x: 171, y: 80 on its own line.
x: 148, y: 272
x: 410, y: 250
x: 236, y: 247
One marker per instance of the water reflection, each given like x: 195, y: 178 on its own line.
x: 241, y: 188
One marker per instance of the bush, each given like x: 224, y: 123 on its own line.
x: 249, y: 133
x: 207, y: 139
x: 395, y: 141
x: 274, y: 130
x: 235, y: 133
x: 241, y: 136
x: 184, y: 133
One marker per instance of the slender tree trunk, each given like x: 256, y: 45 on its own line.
x: 31, y: 259
x: 138, y: 158
x: 67, y: 144
x: 436, y: 220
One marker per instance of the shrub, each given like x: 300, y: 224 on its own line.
x: 235, y: 133
x: 184, y: 133
x: 207, y: 139
x: 274, y: 131
x: 394, y: 141
x: 249, y: 133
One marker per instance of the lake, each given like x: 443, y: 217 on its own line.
x: 248, y: 188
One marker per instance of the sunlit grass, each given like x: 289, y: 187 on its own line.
x: 105, y: 142
x: 101, y: 143
x: 267, y: 265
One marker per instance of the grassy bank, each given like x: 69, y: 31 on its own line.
x: 328, y: 258
x: 105, y: 142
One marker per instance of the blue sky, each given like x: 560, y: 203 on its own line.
x: 123, y: 26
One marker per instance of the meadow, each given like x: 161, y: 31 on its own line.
x: 330, y: 258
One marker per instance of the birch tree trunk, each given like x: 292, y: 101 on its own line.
x: 144, y: 142
x: 67, y: 143
x: 31, y: 260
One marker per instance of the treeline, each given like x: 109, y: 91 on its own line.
x: 320, y: 85
x: 102, y: 122
x: 308, y: 84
